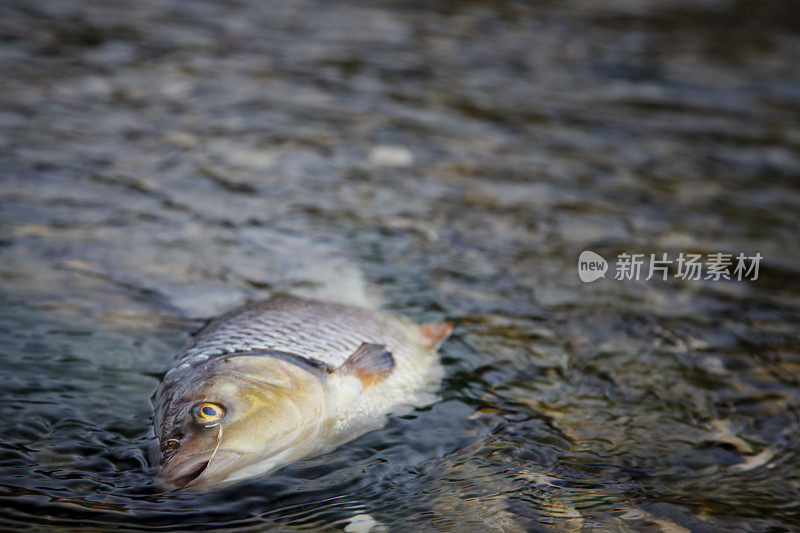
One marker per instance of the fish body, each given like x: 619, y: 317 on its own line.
x: 272, y: 382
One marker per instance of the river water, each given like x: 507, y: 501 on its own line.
x: 161, y: 161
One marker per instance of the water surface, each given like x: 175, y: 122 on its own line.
x: 161, y: 161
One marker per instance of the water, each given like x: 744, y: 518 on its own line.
x: 162, y: 161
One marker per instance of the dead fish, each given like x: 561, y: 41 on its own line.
x: 272, y: 382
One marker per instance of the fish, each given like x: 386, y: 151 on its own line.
x: 276, y: 381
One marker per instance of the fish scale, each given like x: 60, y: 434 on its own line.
x: 326, y: 332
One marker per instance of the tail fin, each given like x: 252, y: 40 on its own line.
x: 435, y: 333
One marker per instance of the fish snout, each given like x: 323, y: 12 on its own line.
x: 193, y: 471
x: 178, y: 472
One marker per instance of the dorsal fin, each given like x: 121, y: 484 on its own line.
x: 434, y: 333
x: 370, y: 363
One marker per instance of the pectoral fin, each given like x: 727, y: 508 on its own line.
x: 434, y: 333
x: 370, y: 363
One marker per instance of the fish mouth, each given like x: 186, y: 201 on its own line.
x: 192, y: 475
x: 188, y: 474
x: 180, y: 475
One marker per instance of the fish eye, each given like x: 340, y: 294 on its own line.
x: 207, y: 413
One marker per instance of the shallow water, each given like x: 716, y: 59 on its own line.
x: 162, y: 161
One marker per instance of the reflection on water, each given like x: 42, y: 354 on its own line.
x: 160, y: 162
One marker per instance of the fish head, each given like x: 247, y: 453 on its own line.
x: 236, y: 417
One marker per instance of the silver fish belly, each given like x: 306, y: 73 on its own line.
x: 275, y: 381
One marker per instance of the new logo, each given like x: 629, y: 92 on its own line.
x: 591, y: 266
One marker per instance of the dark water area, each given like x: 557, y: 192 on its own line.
x: 161, y: 161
